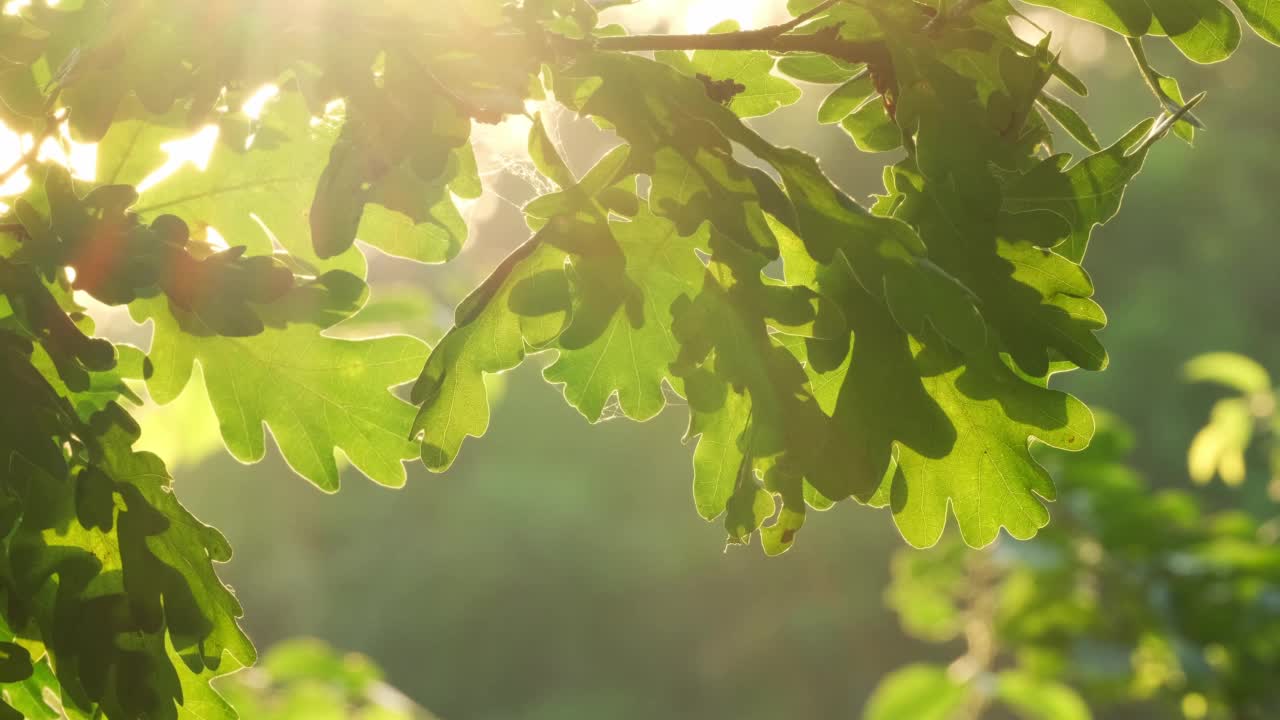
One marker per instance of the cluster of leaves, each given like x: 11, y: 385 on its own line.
x: 867, y: 370
x: 110, y: 595
x: 898, y: 354
x: 1128, y: 597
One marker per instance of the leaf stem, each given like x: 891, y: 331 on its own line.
x: 1161, y: 128
x: 1152, y: 78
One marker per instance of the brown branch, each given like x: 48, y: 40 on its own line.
x: 826, y: 42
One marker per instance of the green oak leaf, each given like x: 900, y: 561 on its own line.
x: 130, y: 564
x: 393, y: 170
x: 845, y: 99
x: 921, y: 429
x: 886, y: 255
x: 940, y: 403
x: 163, y: 543
x: 993, y: 17
x: 1127, y: 17
x: 816, y: 68
x: 624, y: 280
x: 1263, y: 16
x: 747, y: 510
x: 256, y: 197
x: 750, y: 409
x: 871, y: 128
x: 573, y: 284
x: 1038, y: 301
x: 523, y: 305
x: 762, y: 93
x: 105, y: 386
x: 695, y: 175
x: 1204, y: 30
x: 989, y: 478
x: 260, y: 181
x: 702, y: 182
x: 631, y: 357
x: 1086, y: 194
x: 316, y: 393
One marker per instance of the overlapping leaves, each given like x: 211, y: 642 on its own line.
x: 964, y: 278
x: 773, y: 401
x: 899, y: 355
x: 918, y: 374
x: 112, y: 603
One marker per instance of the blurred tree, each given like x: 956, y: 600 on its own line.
x: 1144, y: 602
x: 306, y: 680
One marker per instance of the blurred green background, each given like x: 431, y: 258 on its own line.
x: 559, y: 569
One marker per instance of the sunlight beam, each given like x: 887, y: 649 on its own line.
x: 195, y: 150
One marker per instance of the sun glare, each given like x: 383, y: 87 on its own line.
x: 80, y: 158
x: 258, y: 101
x: 194, y: 150
x: 215, y: 239
x: 699, y: 15
x: 703, y: 15
x: 1082, y: 44
x: 12, y: 146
